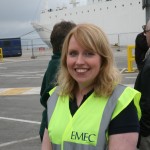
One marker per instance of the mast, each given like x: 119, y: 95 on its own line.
x: 74, y: 3
x: 45, y: 5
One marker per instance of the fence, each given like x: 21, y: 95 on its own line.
x: 122, y: 39
x: 28, y: 44
x: 37, y: 47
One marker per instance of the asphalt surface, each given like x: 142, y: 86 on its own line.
x: 20, y: 111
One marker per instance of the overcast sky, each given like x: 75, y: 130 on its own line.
x: 16, y: 15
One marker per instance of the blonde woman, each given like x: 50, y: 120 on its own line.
x: 90, y: 110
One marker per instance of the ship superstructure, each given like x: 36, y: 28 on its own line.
x: 122, y: 20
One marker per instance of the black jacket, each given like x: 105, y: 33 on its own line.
x: 142, y: 84
x: 141, y: 48
x: 49, y: 77
x: 47, y: 85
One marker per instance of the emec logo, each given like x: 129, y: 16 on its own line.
x: 83, y: 136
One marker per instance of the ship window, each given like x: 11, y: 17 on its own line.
x: 82, y: 12
x: 50, y: 10
x: 115, y: 6
x: 88, y: 11
x: 100, y: 8
x: 94, y: 9
x: 130, y: 3
x: 70, y: 13
x: 56, y: 16
x: 65, y: 15
x: 123, y: 5
x: 76, y: 12
x: 107, y: 7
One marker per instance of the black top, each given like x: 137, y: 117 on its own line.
x: 142, y: 84
x: 125, y: 122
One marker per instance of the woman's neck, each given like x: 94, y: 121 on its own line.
x: 81, y: 91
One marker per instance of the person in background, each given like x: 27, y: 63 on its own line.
x: 89, y: 109
x: 142, y: 84
x: 58, y: 34
x: 141, y: 48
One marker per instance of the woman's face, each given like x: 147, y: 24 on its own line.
x: 83, y: 65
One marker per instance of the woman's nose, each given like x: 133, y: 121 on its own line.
x: 80, y: 59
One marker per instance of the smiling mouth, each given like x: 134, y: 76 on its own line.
x: 81, y: 70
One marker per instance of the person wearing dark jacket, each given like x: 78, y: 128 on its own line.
x: 142, y: 84
x: 141, y: 48
x: 59, y: 32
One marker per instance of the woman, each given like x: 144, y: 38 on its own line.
x: 90, y: 110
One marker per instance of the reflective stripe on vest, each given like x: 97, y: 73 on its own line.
x: 106, y: 117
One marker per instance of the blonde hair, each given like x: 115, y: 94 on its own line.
x: 90, y: 37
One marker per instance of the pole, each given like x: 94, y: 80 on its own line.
x: 33, y: 57
x: 118, y: 43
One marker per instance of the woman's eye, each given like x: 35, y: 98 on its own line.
x: 89, y: 54
x: 73, y: 53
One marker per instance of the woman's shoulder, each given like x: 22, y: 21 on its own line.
x: 126, y: 121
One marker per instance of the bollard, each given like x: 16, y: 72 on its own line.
x: 1, y: 54
x: 130, y: 58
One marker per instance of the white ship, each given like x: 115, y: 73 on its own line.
x: 121, y: 20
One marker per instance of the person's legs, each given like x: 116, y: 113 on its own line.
x: 144, y: 143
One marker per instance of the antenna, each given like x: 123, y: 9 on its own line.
x: 74, y: 3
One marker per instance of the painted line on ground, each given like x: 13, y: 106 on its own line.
x: 27, y: 90
x: 20, y: 120
x: 23, y: 140
x: 28, y: 77
x: 121, y: 71
x: 19, y: 141
x: 19, y: 91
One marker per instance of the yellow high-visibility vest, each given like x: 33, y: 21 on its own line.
x: 88, y: 127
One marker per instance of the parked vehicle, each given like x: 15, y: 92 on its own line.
x: 11, y: 47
